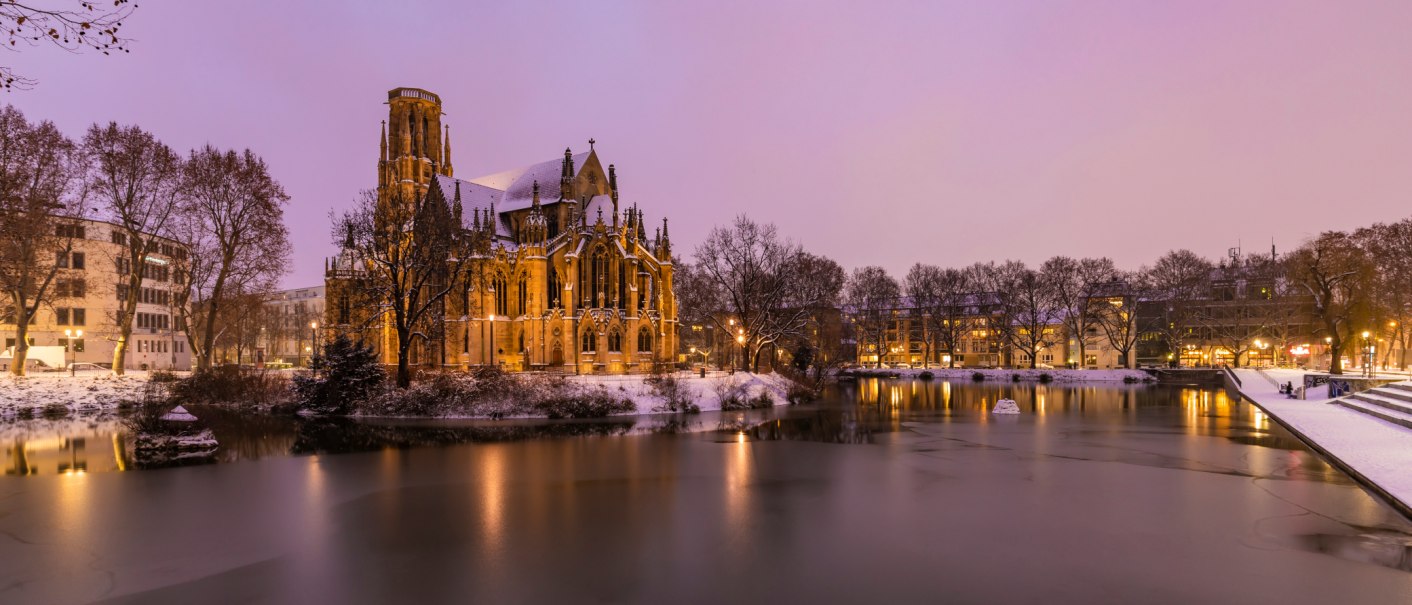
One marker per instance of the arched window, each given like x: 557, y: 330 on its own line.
x: 644, y: 292
x: 523, y: 295
x: 622, y: 286
x: 600, y: 278
x: 587, y: 343
x: 615, y: 341
x: 501, y: 293
x: 644, y: 340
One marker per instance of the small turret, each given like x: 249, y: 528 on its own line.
x: 456, y: 205
x: 566, y: 176
x: 666, y: 246
x: 382, y: 144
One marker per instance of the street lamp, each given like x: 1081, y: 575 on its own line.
x: 491, y: 319
x: 1367, y: 354
x: 69, y: 336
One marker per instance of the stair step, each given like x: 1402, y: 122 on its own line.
x: 1401, y: 386
x: 1383, y: 391
x: 1377, y: 412
x: 1380, y: 399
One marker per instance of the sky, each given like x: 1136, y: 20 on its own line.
x: 875, y: 133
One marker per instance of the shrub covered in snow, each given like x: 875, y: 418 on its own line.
x: 977, y: 377
x: 926, y: 375
x: 345, y: 374
x: 675, y: 396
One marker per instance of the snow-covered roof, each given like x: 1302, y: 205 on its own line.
x: 516, y: 186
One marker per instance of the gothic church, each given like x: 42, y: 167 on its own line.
x: 570, y: 282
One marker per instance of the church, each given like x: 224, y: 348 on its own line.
x: 569, y: 280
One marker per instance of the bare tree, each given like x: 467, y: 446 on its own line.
x: 817, y: 282
x: 765, y: 283
x: 872, y: 295
x: 1036, y: 311
x: 942, y: 297
x: 1179, y: 281
x: 998, y: 303
x: 40, y: 187
x: 1388, y: 245
x: 1115, y: 307
x: 1338, y: 276
x: 923, y: 286
x: 1075, y: 283
x: 412, y: 253
x: 232, y: 224
x: 85, y: 25
x: 135, y: 180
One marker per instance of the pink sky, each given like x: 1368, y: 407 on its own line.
x: 874, y: 133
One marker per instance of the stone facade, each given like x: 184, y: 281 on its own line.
x: 568, y: 279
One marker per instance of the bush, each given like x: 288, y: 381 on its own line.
x: 676, y: 397
x: 1045, y: 377
x: 1014, y: 378
x: 344, y: 375
x: 926, y: 375
x: 230, y: 384
x: 1129, y: 379
x: 582, y: 403
x: 799, y: 393
x: 977, y: 377
x: 162, y: 376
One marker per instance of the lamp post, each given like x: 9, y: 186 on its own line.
x: 72, y: 354
x: 1367, y: 354
x: 491, y: 319
x: 740, y: 346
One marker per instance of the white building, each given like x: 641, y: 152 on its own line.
x: 86, y: 297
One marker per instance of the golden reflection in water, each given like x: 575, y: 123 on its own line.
x: 739, y: 473
x: 492, y: 490
x: 73, y: 509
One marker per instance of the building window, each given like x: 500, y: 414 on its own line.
x: 587, y: 344
x: 78, y: 262
x: 73, y: 231
x: 119, y: 238
x: 61, y: 316
x: 615, y: 341
x: 79, y: 317
x: 501, y: 295
x: 61, y: 259
x: 644, y: 340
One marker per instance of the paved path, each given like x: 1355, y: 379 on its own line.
x: 1378, y: 452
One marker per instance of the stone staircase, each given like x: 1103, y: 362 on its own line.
x: 1391, y: 402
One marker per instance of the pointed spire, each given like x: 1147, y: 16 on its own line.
x: 476, y: 225
x: 446, y: 151
x: 456, y: 206
x: 382, y: 141
x: 664, y: 228
x: 566, y: 175
x: 535, y: 204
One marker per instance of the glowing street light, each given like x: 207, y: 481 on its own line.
x: 70, y: 348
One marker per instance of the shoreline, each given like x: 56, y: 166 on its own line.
x: 1376, y: 453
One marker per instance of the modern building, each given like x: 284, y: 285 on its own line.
x: 78, y: 321
x: 567, y: 277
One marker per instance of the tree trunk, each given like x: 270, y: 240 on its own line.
x: 17, y: 364
x: 404, y: 371
x: 1336, y: 357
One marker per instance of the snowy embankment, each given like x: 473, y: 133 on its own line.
x: 998, y: 375
x: 86, y: 392
x: 706, y: 392
x: 1378, y: 451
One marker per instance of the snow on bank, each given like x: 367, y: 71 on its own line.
x: 705, y: 391
x: 1380, y: 451
x: 86, y: 392
x: 997, y: 375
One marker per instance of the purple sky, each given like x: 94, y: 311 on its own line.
x: 875, y: 134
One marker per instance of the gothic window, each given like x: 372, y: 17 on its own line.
x: 583, y: 282
x: 411, y: 130
x: 587, y: 344
x: 615, y: 341
x: 524, y: 295
x: 501, y: 293
x: 600, y: 277
x: 644, y: 340
x: 522, y: 342
x: 644, y: 292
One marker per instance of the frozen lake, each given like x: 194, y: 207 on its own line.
x: 888, y: 491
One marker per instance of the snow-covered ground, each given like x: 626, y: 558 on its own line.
x: 1379, y: 451
x: 705, y: 389
x: 87, y: 392
x: 1006, y: 375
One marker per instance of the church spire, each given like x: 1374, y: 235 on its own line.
x: 446, y: 151
x: 535, y: 203
x: 566, y: 176
x: 456, y: 206
x: 382, y: 141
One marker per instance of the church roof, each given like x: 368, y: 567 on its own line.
x: 516, y: 185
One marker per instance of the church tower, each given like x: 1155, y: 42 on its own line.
x: 413, y: 148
